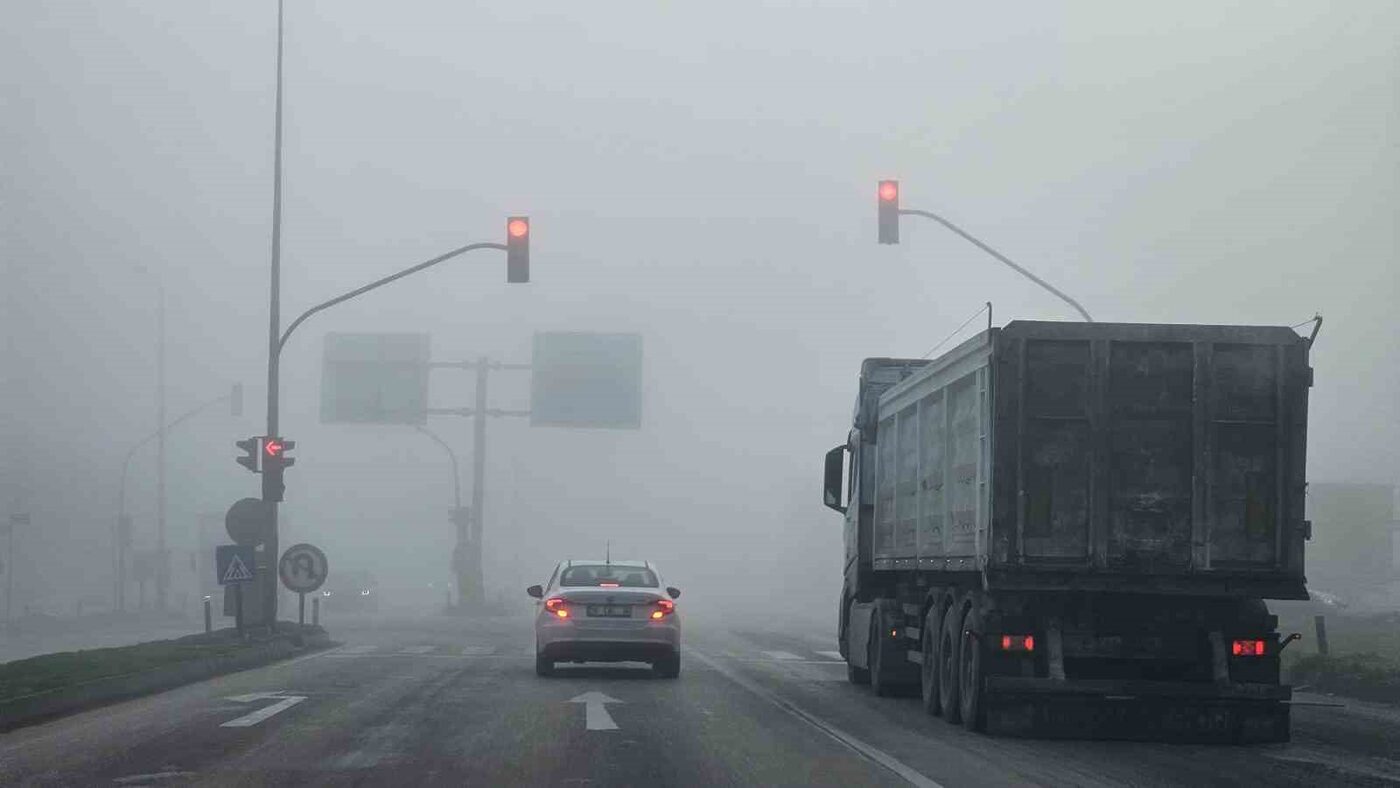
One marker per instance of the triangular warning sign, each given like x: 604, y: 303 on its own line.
x: 237, y: 571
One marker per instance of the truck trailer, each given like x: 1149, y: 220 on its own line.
x: 1069, y: 529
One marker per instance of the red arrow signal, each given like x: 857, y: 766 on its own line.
x: 272, y: 447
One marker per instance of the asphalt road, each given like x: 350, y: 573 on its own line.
x: 452, y: 702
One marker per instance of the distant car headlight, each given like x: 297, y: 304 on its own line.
x: 325, y: 593
x: 364, y: 592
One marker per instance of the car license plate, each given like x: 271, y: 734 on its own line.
x: 610, y: 611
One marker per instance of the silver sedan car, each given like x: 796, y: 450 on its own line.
x: 607, y: 611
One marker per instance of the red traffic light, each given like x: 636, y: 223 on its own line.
x: 517, y: 249
x: 888, y: 206
x: 273, y: 447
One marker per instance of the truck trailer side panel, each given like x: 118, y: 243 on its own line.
x: 1102, y: 455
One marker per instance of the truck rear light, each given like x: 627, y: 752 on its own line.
x: 664, y: 607
x: 1247, y: 648
x: 557, y: 606
x: 1018, y: 643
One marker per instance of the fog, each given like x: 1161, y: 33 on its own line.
x: 701, y: 174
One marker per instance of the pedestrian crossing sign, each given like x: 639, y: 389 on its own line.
x: 234, y: 563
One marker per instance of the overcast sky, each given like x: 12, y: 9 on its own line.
x: 701, y: 173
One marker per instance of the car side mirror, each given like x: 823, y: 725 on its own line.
x: 535, y: 591
x: 674, y: 592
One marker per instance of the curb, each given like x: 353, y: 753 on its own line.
x: 42, y: 706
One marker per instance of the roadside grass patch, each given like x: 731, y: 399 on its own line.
x: 73, y: 668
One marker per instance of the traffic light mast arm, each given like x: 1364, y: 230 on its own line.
x: 998, y: 255
x: 380, y: 283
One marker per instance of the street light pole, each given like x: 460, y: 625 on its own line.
x: 122, y: 539
x: 999, y: 256
x: 460, y: 534
x: 163, y: 567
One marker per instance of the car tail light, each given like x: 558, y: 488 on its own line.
x: 1018, y: 643
x: 664, y: 607
x: 1247, y: 648
x: 558, y: 606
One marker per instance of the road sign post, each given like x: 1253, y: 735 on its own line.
x: 303, y: 569
x: 235, y: 564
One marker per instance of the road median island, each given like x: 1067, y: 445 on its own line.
x: 52, y: 685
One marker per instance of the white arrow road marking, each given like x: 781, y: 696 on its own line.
x: 417, y: 649
x: 780, y: 655
x: 284, y: 702
x: 595, y: 711
x: 836, y: 655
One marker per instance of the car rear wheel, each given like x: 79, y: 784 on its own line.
x: 543, y: 667
x: 668, y: 667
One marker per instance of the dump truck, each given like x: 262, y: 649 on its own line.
x: 1069, y: 529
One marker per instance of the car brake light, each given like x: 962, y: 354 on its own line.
x: 1018, y: 643
x: 607, y: 585
x: 1247, y: 648
x: 664, y: 607
x: 556, y: 605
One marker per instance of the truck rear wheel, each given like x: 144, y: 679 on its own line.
x: 854, y: 674
x: 928, y: 670
x: 948, y: 668
x: 879, y: 676
x: 970, y: 672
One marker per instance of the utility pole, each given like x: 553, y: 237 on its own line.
x: 473, y: 591
x: 163, y: 567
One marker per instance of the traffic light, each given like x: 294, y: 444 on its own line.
x: 249, y: 459
x: 275, y: 461
x: 518, y: 249
x: 889, y: 212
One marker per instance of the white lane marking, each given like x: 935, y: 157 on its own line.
x: 304, y: 657
x: 417, y: 649
x: 595, y: 711
x: 360, y: 649
x: 139, y: 779
x: 910, y: 774
x: 781, y: 655
x: 283, y: 703
x: 836, y: 655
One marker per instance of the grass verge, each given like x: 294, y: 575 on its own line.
x: 54, y: 684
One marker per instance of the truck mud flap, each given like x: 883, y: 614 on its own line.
x: 1138, y: 719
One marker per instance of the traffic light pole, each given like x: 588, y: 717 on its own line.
x: 998, y: 255
x: 274, y: 323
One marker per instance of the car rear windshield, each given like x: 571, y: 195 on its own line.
x: 600, y: 575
